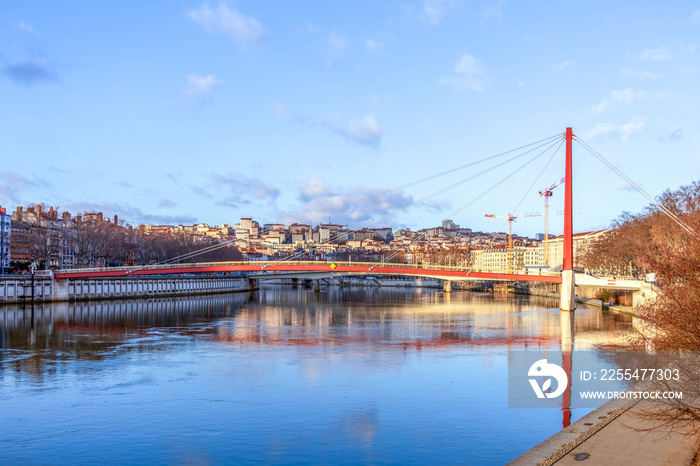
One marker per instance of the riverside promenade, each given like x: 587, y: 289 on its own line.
x: 613, y: 434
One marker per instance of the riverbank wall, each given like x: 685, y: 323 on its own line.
x: 584, y: 295
x: 26, y: 289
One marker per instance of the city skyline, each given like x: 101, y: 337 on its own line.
x: 206, y: 112
x: 48, y: 212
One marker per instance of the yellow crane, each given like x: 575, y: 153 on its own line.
x: 511, y: 219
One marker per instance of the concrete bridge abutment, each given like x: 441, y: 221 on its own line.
x: 447, y: 286
x: 567, y: 300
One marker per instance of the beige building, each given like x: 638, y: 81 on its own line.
x: 533, y: 257
x: 582, y: 241
x: 495, y: 258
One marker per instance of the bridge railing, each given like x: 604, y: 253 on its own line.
x: 264, y: 265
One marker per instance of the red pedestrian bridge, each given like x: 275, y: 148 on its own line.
x: 311, y: 270
x: 320, y: 269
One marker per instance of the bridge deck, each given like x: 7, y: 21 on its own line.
x: 331, y: 268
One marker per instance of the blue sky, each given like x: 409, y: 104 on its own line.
x: 183, y: 112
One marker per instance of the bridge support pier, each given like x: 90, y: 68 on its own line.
x: 646, y: 293
x: 317, y: 286
x: 567, y: 300
x: 447, y: 286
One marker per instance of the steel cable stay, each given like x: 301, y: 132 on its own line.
x: 484, y: 193
x: 638, y: 188
x: 197, y: 252
x: 538, y: 144
x: 529, y: 190
x: 458, y: 183
x: 542, y: 143
x: 434, y: 194
x: 512, y: 214
x: 443, y: 190
x: 188, y: 255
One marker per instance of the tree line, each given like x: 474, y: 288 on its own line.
x: 664, y: 240
x: 89, y: 241
x: 653, y: 242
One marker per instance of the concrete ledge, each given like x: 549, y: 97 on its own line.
x: 544, y: 450
x: 613, y: 434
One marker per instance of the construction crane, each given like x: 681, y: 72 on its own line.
x: 547, y: 193
x: 511, y: 219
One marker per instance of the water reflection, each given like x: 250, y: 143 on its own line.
x: 277, y: 316
x: 568, y: 330
x: 345, y: 375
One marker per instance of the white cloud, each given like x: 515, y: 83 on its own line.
x: 673, y: 133
x: 436, y: 205
x: 320, y: 200
x: 243, y: 187
x: 434, y: 10
x: 308, y: 28
x: 626, y: 187
x: 629, y: 96
x: 469, y: 73
x: 223, y: 19
x: 468, y: 65
x: 166, y: 203
x: 129, y: 214
x: 312, y: 188
x: 602, y: 131
x: 625, y: 97
x: 494, y: 10
x: 13, y: 184
x: 202, y: 86
x: 279, y: 110
x: 624, y: 132
x: 521, y: 84
x: 199, y: 191
x: 374, y: 45
x: 365, y: 131
x: 643, y: 75
x: 337, y: 44
x: 26, y: 27
x: 562, y: 66
x: 628, y: 130
x: 657, y: 54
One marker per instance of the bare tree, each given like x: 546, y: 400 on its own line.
x: 654, y: 242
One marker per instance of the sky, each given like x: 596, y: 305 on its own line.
x: 169, y: 112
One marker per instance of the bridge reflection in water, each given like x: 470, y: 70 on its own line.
x: 333, y: 317
x: 363, y: 354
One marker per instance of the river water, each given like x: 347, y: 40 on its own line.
x: 282, y: 375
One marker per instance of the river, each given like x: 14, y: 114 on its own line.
x: 281, y: 375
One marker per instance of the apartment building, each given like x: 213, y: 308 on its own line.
x: 39, y: 234
x: 581, y: 242
x: 5, y: 235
